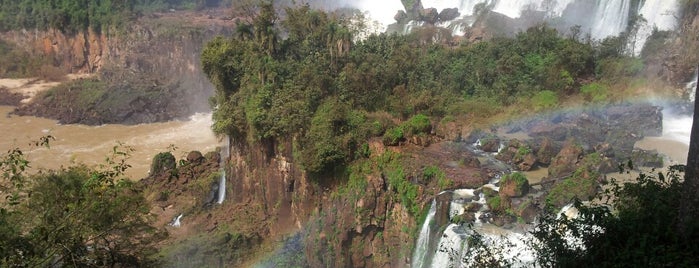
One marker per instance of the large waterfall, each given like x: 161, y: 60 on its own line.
x: 601, y: 18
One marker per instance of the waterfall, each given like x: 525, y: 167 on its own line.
x: 222, y: 187
x: 660, y: 14
x: 691, y: 88
x: 225, y: 155
x: 176, y: 221
x: 423, y: 241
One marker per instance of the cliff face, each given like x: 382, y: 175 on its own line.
x: 265, y: 175
x: 168, y: 46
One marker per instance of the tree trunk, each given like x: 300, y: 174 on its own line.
x: 690, y: 195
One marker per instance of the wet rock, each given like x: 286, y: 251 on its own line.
x: 646, y: 158
x: 429, y: 15
x: 441, y: 216
x: 546, y: 151
x: 448, y: 14
x: 471, y: 161
x: 401, y: 17
x: 195, y: 157
x: 566, y: 160
x: 502, y: 220
x: 490, y: 143
x: 514, y: 185
x: 642, y: 119
x: 518, y: 154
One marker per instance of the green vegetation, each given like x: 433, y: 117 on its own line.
x: 76, y: 15
x: 320, y: 86
x: 65, y: 15
x: 594, y: 92
x: 163, y: 162
x: 637, y: 228
x: 582, y: 184
x: 545, y: 99
x: 515, y: 183
x: 78, y: 216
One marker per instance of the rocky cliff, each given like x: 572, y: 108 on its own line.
x: 164, y: 48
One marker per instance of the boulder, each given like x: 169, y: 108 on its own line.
x: 163, y: 162
x: 401, y: 17
x: 443, y: 201
x: 566, y: 161
x: 526, y: 210
x: 518, y: 154
x: 448, y: 14
x: 546, y: 151
x: 514, y: 185
x: 195, y: 157
x: 490, y: 143
x: 646, y: 158
x: 429, y: 15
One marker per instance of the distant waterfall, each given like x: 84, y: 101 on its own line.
x: 422, y: 246
x: 225, y: 155
x: 176, y: 221
x: 660, y: 14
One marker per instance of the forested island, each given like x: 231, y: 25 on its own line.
x: 349, y: 149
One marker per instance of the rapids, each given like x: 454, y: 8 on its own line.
x: 450, y: 248
x: 91, y: 144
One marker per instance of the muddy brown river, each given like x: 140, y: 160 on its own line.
x: 91, y: 144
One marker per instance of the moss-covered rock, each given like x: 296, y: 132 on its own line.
x: 514, y: 185
x: 583, y: 185
x: 163, y: 162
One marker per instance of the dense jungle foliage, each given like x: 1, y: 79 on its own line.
x: 633, y: 225
x: 76, y: 15
x: 306, y: 77
x: 73, y: 217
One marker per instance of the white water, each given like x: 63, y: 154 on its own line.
x: 600, y: 19
x: 176, y: 221
x: 677, y: 128
x: 225, y: 155
x: 222, y: 187
x: 421, y: 247
x: 661, y: 14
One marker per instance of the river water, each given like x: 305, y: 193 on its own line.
x: 91, y: 144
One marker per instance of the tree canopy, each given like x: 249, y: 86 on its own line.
x: 305, y: 76
x: 77, y: 216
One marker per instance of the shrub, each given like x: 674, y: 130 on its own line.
x: 514, y: 184
x: 594, y: 92
x: 417, y: 124
x: 393, y: 136
x: 163, y: 162
x: 545, y: 99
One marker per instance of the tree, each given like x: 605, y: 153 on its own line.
x: 689, y: 203
x: 76, y: 216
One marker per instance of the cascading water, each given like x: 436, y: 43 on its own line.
x: 659, y: 14
x: 225, y: 155
x: 422, y: 246
x: 176, y: 221
x: 601, y: 19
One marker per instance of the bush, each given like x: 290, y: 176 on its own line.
x: 162, y: 162
x: 545, y: 99
x: 514, y: 184
x: 640, y: 231
x: 595, y: 92
x: 417, y: 124
x: 393, y: 136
